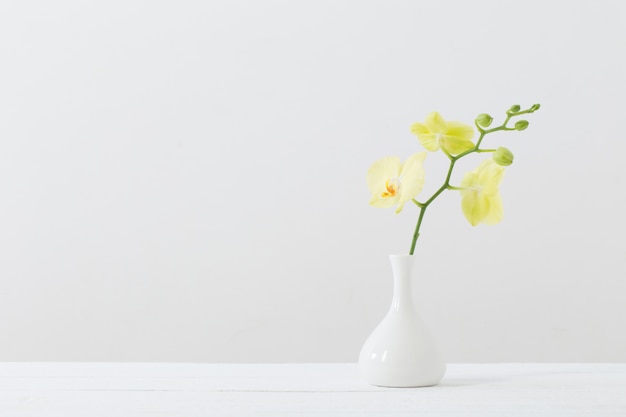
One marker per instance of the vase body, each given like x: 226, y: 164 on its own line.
x: 401, y: 352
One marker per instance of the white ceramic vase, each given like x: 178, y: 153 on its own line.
x: 401, y: 352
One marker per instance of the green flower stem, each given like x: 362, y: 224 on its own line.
x: 425, y: 205
x: 450, y: 187
x: 495, y: 129
x: 416, y: 234
x: 476, y: 149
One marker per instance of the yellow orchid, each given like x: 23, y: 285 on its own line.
x: 391, y: 182
x: 481, y: 201
x: 453, y: 137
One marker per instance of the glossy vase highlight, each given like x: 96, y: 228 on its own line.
x: 401, y: 352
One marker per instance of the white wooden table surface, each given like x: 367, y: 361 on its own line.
x: 188, y: 390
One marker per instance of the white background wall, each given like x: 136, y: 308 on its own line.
x: 184, y: 181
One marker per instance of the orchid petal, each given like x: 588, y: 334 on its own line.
x: 436, y: 123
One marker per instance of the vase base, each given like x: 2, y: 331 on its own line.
x: 403, y: 386
x: 406, y: 383
x: 425, y: 373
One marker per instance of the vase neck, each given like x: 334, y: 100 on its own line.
x: 402, y: 267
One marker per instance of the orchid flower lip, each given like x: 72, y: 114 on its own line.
x: 392, y: 186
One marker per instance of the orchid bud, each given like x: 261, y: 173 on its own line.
x: 484, y: 120
x: 503, y: 157
x: 521, y: 125
x: 514, y: 108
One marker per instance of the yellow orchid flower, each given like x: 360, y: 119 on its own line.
x: 481, y: 201
x: 453, y: 137
x: 391, y: 182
